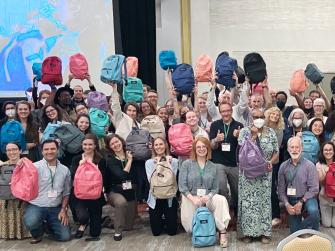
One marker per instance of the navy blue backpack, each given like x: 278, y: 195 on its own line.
x: 225, y: 67
x: 183, y: 78
x: 167, y: 60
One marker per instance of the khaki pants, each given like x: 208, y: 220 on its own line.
x: 218, y: 205
x: 125, y: 212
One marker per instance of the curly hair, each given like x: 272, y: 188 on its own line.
x: 280, y: 124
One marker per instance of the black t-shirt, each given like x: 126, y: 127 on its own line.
x: 224, y: 157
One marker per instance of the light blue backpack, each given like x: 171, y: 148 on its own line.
x: 50, y: 130
x: 310, y: 145
x: 12, y: 131
x: 99, y: 121
x: 203, y: 228
x: 112, y: 70
x: 133, y: 90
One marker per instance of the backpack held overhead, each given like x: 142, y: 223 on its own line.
x: 155, y: 126
x: 99, y: 121
x: 78, y: 66
x: 167, y: 60
x: 132, y: 66
x: 313, y: 73
x: 6, y: 172
x: 138, y: 142
x: 96, y: 99
x: 87, y: 182
x: 112, y: 70
x: 299, y: 82
x: 181, y: 139
x: 251, y: 160
x: 52, y: 71
x: 330, y: 181
x: 311, y: 146
x: 133, y: 90
x: 204, y: 68
x: 203, y: 228
x: 37, y: 71
x: 24, y: 183
x: 225, y: 67
x: 254, y: 67
x: 183, y: 79
x: 163, y: 183
x: 12, y: 131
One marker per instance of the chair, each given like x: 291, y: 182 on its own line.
x: 316, y: 241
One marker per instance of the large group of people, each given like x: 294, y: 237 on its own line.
x: 207, y: 173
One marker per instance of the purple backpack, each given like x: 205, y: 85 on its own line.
x: 97, y: 100
x: 251, y: 160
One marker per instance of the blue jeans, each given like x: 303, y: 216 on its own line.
x: 311, y: 221
x: 33, y: 219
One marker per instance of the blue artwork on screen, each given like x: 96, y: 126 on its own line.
x: 29, y: 31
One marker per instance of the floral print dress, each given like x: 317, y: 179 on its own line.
x: 254, y: 195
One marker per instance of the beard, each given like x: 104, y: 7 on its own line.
x: 295, y: 155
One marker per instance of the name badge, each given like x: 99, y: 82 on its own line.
x: 52, y: 194
x: 225, y: 147
x: 291, y: 191
x: 126, y: 185
x: 201, y: 192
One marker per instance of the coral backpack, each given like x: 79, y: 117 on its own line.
x: 330, y: 181
x: 78, y: 66
x: 203, y: 68
x: 87, y: 182
x: 52, y: 71
x: 24, y: 183
x: 181, y: 139
x: 299, y: 82
x: 132, y: 66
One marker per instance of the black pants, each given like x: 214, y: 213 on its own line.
x: 142, y: 188
x: 157, y: 223
x: 89, y: 211
x: 274, y: 195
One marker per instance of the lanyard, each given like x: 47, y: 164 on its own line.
x: 226, y: 130
x: 201, y: 172
x: 52, y: 177
x: 292, y: 173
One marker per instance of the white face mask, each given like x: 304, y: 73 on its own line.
x: 297, y: 122
x: 259, y: 123
x: 10, y: 113
x: 43, y: 101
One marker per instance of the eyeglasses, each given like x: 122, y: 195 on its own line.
x: 12, y: 150
x: 50, y: 111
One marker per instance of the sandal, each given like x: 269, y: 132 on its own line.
x: 223, y: 239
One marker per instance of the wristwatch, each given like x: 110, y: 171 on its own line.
x: 302, y: 201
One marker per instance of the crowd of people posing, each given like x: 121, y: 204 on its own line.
x: 207, y: 171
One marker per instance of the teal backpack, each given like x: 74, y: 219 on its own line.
x: 203, y: 228
x: 50, y: 130
x: 99, y: 121
x: 310, y: 145
x: 133, y: 90
x: 12, y: 131
x: 112, y: 70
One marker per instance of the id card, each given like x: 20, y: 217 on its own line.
x: 126, y: 185
x: 201, y: 192
x: 291, y: 191
x: 225, y: 147
x: 52, y: 194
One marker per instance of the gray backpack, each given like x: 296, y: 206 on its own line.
x: 138, y: 143
x: 71, y: 138
x: 6, y: 172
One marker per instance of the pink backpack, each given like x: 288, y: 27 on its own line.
x: 52, y: 71
x: 132, y: 66
x: 299, y: 82
x: 87, y: 182
x: 78, y: 66
x: 203, y: 68
x: 181, y: 139
x: 24, y: 182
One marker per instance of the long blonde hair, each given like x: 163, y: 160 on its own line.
x: 280, y: 124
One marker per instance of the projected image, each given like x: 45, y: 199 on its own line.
x: 31, y: 30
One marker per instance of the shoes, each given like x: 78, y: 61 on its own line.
x: 117, y: 237
x: 79, y: 234
x: 265, y: 240
x: 36, y: 240
x: 223, y: 240
x: 276, y: 222
x: 246, y: 239
x: 92, y: 239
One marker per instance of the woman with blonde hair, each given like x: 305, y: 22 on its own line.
x: 198, y: 184
x: 274, y: 119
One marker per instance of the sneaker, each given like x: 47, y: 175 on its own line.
x: 265, y: 239
x: 36, y: 240
x: 117, y: 237
x: 276, y: 222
